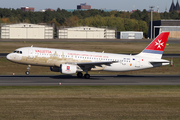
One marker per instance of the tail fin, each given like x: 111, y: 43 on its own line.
x: 156, y: 48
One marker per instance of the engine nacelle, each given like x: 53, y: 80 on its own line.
x: 68, y: 69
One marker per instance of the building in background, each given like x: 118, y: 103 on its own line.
x: 49, y: 9
x: 85, y: 32
x: 131, y: 35
x: 26, y: 31
x: 83, y: 6
x: 26, y: 9
x: 174, y: 7
x: 172, y: 26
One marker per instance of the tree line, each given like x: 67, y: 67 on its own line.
x: 122, y: 21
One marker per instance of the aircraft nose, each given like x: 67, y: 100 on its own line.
x: 8, y: 57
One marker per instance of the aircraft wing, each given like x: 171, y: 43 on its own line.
x: 89, y: 65
x: 96, y: 63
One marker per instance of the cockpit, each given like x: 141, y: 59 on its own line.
x: 16, y: 51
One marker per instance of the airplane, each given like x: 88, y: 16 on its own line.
x: 73, y: 61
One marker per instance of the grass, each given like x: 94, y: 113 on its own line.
x: 90, y: 102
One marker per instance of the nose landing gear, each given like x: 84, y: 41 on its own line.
x: 28, y: 68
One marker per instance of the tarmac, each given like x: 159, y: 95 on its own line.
x: 95, y: 80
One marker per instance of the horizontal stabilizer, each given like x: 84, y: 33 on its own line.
x: 159, y: 61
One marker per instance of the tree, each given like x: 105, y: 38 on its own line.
x: 77, y: 13
x: 71, y: 22
x: 145, y: 17
x: 59, y: 10
x: 174, y: 15
x: 48, y: 15
x: 55, y: 25
x: 165, y: 15
x: 136, y: 15
x: 156, y: 16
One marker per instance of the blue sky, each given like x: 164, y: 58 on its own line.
x: 97, y: 4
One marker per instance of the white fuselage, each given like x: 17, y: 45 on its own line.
x: 55, y: 57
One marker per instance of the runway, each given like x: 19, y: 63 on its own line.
x: 3, y: 54
x: 105, y: 80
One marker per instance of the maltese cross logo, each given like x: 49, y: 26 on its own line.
x: 159, y: 44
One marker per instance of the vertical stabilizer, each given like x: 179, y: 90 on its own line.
x: 156, y: 48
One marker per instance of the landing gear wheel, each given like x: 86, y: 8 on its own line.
x: 87, y: 76
x: 79, y: 75
x: 28, y: 68
x: 27, y: 72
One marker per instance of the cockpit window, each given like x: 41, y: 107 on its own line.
x: 19, y: 52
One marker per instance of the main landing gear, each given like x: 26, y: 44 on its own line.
x: 80, y: 75
x: 87, y: 76
x: 28, y: 68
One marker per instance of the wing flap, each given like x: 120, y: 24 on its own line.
x: 90, y: 65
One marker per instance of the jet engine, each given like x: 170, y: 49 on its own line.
x: 68, y: 69
x: 65, y: 69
